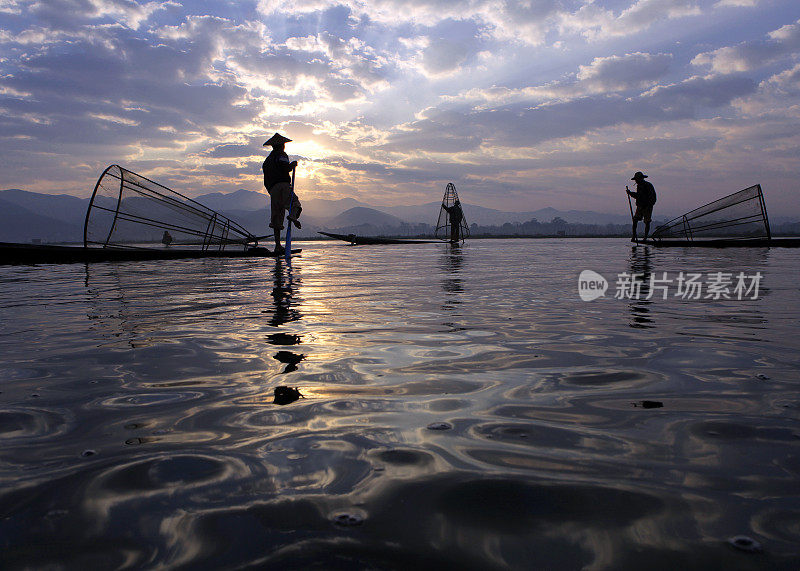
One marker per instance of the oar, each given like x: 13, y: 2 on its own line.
x: 288, y: 253
x: 630, y: 207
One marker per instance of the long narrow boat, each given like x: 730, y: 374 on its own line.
x: 367, y: 240
x: 726, y: 243
x: 11, y: 253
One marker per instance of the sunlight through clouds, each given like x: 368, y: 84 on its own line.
x: 509, y: 100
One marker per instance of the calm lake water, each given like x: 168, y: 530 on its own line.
x: 463, y: 409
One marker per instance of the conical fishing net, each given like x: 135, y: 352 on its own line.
x: 443, y: 223
x: 128, y: 210
x: 740, y: 215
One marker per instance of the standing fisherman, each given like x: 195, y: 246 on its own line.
x: 278, y: 182
x: 645, y: 196
x: 456, y: 216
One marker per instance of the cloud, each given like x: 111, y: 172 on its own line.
x: 736, y: 3
x: 519, y: 124
x: 451, y: 44
x: 753, y: 54
x: 595, y: 22
x: 394, y: 96
x: 528, y: 21
x: 229, y: 150
x: 73, y: 14
x: 616, y: 73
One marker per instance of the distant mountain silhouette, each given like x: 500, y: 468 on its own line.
x: 239, y: 200
x: 18, y: 224
x: 363, y: 215
x: 326, y: 209
x: 59, y: 206
x: 29, y: 215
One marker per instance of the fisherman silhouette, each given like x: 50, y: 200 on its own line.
x: 166, y: 239
x: 456, y: 216
x: 278, y: 182
x: 645, y: 196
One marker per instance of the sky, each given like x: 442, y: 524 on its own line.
x: 523, y: 105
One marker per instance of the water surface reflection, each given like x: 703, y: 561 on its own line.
x: 460, y: 406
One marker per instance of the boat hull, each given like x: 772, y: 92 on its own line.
x: 11, y: 253
x: 727, y: 243
x: 365, y: 240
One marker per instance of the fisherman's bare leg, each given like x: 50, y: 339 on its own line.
x: 633, y: 230
x: 296, y: 209
x: 646, y: 229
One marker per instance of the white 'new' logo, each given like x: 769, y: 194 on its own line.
x: 591, y: 285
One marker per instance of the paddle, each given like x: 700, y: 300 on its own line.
x: 288, y: 253
x: 630, y: 207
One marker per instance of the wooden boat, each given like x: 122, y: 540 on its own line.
x: 11, y: 253
x: 131, y: 217
x: 726, y: 243
x: 366, y: 240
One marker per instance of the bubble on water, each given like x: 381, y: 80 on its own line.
x: 87, y: 453
x: 440, y: 426
x: 744, y: 543
x: 762, y: 376
x: 348, y: 519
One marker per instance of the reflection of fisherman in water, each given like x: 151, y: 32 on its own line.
x: 289, y: 359
x: 641, y: 270
x: 282, y: 295
x: 456, y: 216
x: 166, y: 239
x: 451, y: 265
x: 285, y: 312
x: 286, y: 395
x: 452, y: 285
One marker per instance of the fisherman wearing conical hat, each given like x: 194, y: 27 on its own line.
x: 645, y: 196
x: 278, y: 182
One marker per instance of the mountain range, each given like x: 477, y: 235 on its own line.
x: 27, y: 216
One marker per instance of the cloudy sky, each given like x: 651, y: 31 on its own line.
x: 522, y: 105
